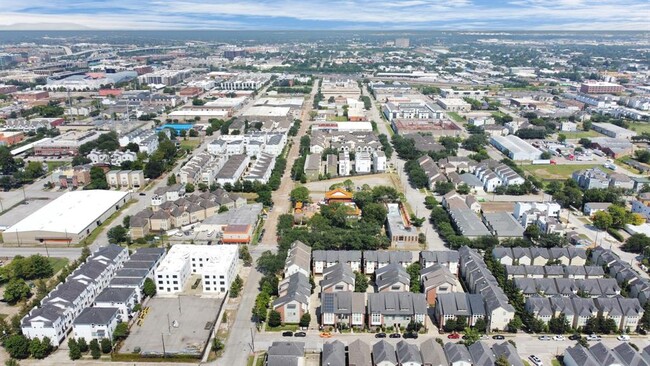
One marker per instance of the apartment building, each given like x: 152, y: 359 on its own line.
x: 217, y: 266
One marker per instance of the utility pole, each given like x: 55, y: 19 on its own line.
x: 162, y: 337
x: 253, y: 339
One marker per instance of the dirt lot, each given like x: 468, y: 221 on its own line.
x: 319, y: 188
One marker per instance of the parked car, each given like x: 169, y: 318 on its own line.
x: 575, y: 337
x: 623, y: 338
x: 380, y: 335
x: 300, y: 334
x: 142, y: 194
x: 326, y: 335
x: 395, y: 335
x: 413, y: 335
x: 544, y: 338
x: 535, y: 360
x: 454, y: 336
x: 498, y: 337
x: 593, y: 337
x: 287, y: 334
x: 559, y: 337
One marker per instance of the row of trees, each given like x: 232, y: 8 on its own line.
x: 78, y: 347
x: 20, y: 347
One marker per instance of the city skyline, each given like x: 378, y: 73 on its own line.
x: 335, y: 15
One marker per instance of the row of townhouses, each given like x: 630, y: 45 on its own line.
x: 596, y: 178
x: 625, y: 312
x: 252, y: 144
x: 479, y: 280
x: 125, y: 178
x: 93, y: 299
x: 540, y: 256
x: 146, y: 139
x: 623, y: 272
x: 601, y: 355
x: 97, y: 156
x: 183, y: 210
x: 567, y: 287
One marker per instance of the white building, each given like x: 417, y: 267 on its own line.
x: 362, y: 162
x: 122, y: 298
x: 96, y: 323
x: 379, y: 161
x: 345, y: 164
x: 217, y: 266
x: 515, y: 148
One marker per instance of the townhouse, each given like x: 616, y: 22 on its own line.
x: 55, y: 317
x: 447, y: 258
x: 96, y: 323
x: 298, y: 259
x: 392, y: 278
x: 375, y: 259
x: 390, y: 309
x: 323, y: 259
x: 344, y: 309
x: 293, y: 298
x: 436, y: 280
x: 459, y: 304
x: 555, y: 271
x: 337, y: 278
x: 524, y: 255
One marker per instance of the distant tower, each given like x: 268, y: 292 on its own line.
x: 402, y: 42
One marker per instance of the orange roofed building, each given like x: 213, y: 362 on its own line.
x: 338, y: 195
x: 237, y: 234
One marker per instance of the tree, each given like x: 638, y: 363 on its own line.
x: 305, y: 319
x: 450, y: 325
x: 121, y: 331
x: 644, y: 323
x: 515, y: 324
x: 106, y: 345
x: 154, y: 168
x: 360, y: 282
x: 532, y: 231
x: 171, y: 180
x: 7, y: 162
x: 414, y: 272
x: 16, y: 290
x: 132, y: 146
x: 11, y: 361
x: 245, y: 256
x: 217, y: 345
x: 149, y: 287
x: 73, y: 349
x: 545, y: 155
x: 235, y: 287
x: 189, y: 188
x: 223, y: 209
x: 471, y: 336
x: 300, y: 194
x: 480, y: 325
x: 642, y: 156
x: 34, y: 169
x: 194, y: 133
x: 430, y: 202
x: 502, y: 361
x: 561, y: 137
x: 374, y: 213
x: 83, y: 345
x: 602, y: 220
x: 559, y: 325
x: 275, y: 319
x: 443, y: 188
x: 463, y: 189
x: 17, y: 345
x: 95, y: 351
x: 117, y: 234
x: 620, y: 216
x: 97, y: 179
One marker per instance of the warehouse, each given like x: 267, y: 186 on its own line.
x: 515, y: 148
x: 612, y: 130
x: 68, y: 219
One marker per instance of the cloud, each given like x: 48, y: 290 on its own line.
x: 332, y: 14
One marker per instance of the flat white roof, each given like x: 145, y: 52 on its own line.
x: 516, y: 145
x: 71, y: 213
x: 267, y: 111
x: 216, y: 258
x: 185, y: 113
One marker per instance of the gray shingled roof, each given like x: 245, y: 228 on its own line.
x: 344, y: 302
x: 407, y: 352
x: 391, y: 274
x: 96, y: 316
x: 333, y: 354
x: 481, y: 354
x: 397, y: 303
x: 359, y: 354
x: 432, y: 353
x: 118, y: 295
x: 383, y: 351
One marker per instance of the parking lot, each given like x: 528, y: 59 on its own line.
x: 174, y: 326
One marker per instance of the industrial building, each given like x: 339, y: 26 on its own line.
x: 612, y: 130
x: 68, y: 219
x: 515, y: 148
x: 217, y: 266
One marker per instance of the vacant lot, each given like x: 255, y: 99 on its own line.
x: 640, y: 127
x: 184, y: 331
x: 581, y: 134
x: 555, y: 172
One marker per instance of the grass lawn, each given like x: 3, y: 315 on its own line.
x: 95, y: 233
x: 282, y: 328
x: 581, y: 134
x: 58, y: 263
x: 555, y: 172
x: 456, y: 117
x: 640, y: 127
x: 556, y: 362
x: 51, y: 165
x: 338, y: 118
x: 190, y: 144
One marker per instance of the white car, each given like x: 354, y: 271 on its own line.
x: 559, y: 338
x: 593, y: 337
x: 623, y: 338
x: 544, y: 338
x: 535, y: 360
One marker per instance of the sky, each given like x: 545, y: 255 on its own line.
x: 323, y: 15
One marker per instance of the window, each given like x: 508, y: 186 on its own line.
x: 175, y: 288
x: 223, y: 289
x: 395, y: 287
x: 222, y: 283
x: 291, y: 306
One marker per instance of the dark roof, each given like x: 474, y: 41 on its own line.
x: 333, y: 354
x: 119, y: 295
x: 96, y: 316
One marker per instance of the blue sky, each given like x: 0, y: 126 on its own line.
x: 333, y: 14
